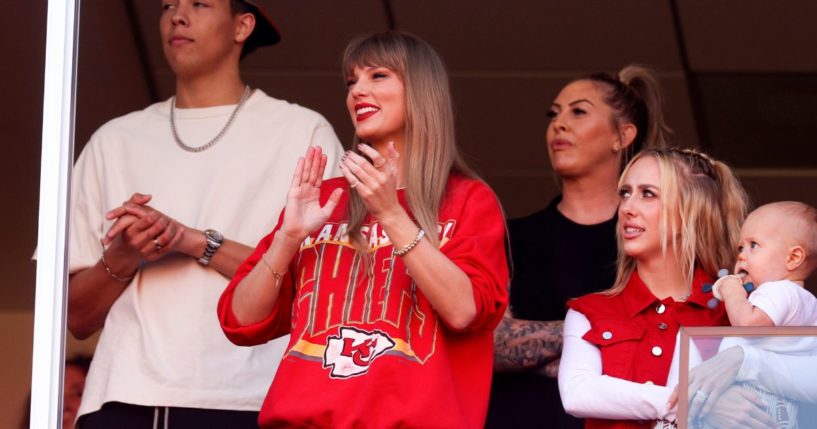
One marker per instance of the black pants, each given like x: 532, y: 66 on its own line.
x: 126, y: 416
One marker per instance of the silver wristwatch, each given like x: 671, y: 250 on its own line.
x: 214, y: 241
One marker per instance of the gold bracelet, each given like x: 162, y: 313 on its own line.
x: 275, y: 274
x: 114, y: 275
x: 405, y: 249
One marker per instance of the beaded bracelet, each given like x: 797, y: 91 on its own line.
x: 116, y: 276
x: 405, y: 249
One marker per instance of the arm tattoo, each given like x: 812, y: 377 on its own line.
x: 527, y: 344
x: 551, y: 370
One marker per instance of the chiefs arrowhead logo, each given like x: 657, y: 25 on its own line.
x: 353, y: 350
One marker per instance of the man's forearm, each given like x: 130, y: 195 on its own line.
x: 227, y: 258
x: 526, y: 344
x: 91, y: 293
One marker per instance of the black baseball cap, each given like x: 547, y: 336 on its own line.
x: 266, y: 32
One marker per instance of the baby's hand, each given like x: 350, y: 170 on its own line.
x: 728, y: 286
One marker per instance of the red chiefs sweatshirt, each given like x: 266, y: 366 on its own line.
x: 367, y: 348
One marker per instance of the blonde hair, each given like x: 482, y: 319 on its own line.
x: 712, y: 205
x: 430, y: 151
x: 635, y: 97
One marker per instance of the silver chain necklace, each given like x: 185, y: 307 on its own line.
x: 218, y: 136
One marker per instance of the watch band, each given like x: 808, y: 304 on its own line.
x: 214, y: 240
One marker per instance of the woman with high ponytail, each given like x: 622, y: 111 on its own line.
x: 643, y: 84
x: 678, y: 224
x: 597, y: 124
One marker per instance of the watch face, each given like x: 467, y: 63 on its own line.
x: 214, y: 235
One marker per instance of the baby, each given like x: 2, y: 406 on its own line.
x: 777, y: 252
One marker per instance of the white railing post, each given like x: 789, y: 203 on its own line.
x: 55, y: 180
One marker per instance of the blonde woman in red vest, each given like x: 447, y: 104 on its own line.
x: 391, y: 278
x: 678, y: 222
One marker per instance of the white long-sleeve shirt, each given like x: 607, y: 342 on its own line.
x: 587, y: 392
x: 789, y: 376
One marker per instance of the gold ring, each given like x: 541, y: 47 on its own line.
x: 379, y: 166
x: 157, y: 245
x: 353, y: 185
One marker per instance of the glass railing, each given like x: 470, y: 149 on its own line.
x: 748, y: 377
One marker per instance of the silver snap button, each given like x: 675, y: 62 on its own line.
x: 661, y: 309
x: 607, y: 335
x: 648, y: 382
x: 657, y: 351
x: 662, y: 326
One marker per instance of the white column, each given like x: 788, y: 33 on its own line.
x: 55, y: 180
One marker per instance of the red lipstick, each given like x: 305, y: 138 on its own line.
x: 365, y: 110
